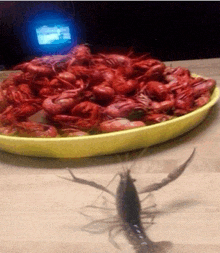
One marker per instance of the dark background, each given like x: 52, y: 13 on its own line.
x: 167, y: 30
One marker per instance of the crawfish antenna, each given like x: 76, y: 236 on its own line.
x: 136, y: 158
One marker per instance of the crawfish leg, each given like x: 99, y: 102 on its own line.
x: 87, y: 182
x: 100, y: 226
x: 112, y: 236
x: 173, y: 175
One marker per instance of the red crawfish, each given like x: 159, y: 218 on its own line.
x: 34, y: 69
x: 71, y: 132
x: 118, y: 124
x: 80, y: 55
x: 84, y: 116
x: 44, y: 66
x: 3, y: 100
x: 58, y: 104
x: 103, y: 93
x: 114, y: 60
x: 19, y: 94
x: 34, y: 129
x: 178, y: 74
x: 149, y: 69
x: 129, y: 210
x: 201, y: 86
x: 8, y: 130
x: 123, y: 107
x: 120, y: 86
x: 20, y: 112
x: 123, y: 86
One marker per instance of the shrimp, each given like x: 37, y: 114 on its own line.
x: 128, y: 207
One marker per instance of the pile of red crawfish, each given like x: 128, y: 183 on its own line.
x: 83, y: 93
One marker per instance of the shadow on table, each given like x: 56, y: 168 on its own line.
x: 59, y: 163
x: 54, y: 246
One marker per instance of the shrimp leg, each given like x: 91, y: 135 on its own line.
x: 173, y: 175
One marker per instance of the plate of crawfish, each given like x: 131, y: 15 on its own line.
x: 83, y: 104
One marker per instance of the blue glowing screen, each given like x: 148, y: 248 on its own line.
x: 53, y: 35
x: 48, y: 32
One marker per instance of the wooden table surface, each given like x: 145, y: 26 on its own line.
x: 40, y: 212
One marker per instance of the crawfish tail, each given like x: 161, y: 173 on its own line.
x: 155, y: 247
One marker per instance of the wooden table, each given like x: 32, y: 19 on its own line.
x: 40, y: 212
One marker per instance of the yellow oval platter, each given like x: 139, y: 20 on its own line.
x: 107, y: 143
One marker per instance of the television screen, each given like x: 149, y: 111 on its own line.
x: 53, y: 35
